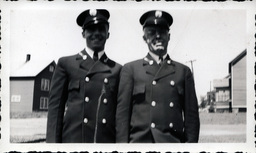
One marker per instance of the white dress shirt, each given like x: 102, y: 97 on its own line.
x: 90, y: 52
x: 156, y: 57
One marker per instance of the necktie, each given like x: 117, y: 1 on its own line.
x: 161, y: 60
x: 95, y: 56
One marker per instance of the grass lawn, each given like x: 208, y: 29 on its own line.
x: 215, y: 127
x: 223, y: 139
x: 222, y: 118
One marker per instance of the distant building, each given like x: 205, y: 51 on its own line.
x: 222, y: 95
x: 237, y: 71
x: 30, y: 85
x: 230, y: 92
x: 211, y: 100
x: 211, y: 97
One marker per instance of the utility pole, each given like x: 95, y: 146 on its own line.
x: 191, y: 62
x: 210, y: 86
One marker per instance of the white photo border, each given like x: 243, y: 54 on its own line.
x: 6, y: 146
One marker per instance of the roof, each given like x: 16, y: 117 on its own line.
x: 220, y: 83
x: 31, y: 68
x: 235, y: 60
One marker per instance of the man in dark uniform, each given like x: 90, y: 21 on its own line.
x: 83, y: 94
x: 156, y: 99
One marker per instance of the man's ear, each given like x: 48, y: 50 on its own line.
x: 83, y: 34
x: 108, y: 35
x: 144, y: 38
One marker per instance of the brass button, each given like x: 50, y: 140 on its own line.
x: 171, y: 104
x: 172, y: 83
x: 171, y: 125
x: 104, y: 121
x: 153, y: 103
x: 85, y: 120
x: 86, y: 99
x: 106, y: 80
x: 153, y: 125
x: 154, y: 82
x: 105, y: 101
x: 87, y: 79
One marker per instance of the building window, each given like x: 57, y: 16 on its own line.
x: 44, y: 102
x: 15, y: 98
x: 45, y: 84
x: 51, y: 68
x: 226, y: 95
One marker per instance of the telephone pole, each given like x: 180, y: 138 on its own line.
x: 191, y: 63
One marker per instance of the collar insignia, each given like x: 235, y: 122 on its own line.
x: 83, y: 55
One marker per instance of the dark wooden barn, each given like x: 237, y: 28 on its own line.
x: 30, y: 85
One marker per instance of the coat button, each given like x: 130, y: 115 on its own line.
x: 105, y: 101
x: 104, y: 121
x: 172, y: 83
x: 85, y: 120
x: 169, y: 62
x: 153, y: 103
x: 153, y: 125
x: 171, y: 104
x: 87, y: 79
x: 86, y: 99
x: 171, y: 125
x: 151, y: 62
x: 154, y: 82
x: 106, y: 80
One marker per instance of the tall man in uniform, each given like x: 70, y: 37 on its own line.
x: 82, y: 103
x: 156, y: 99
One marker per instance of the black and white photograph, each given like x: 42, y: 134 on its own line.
x: 127, y: 76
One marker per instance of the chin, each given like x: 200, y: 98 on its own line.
x: 97, y: 48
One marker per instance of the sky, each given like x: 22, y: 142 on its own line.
x: 210, y: 37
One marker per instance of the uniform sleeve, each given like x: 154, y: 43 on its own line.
x: 191, y: 114
x: 123, y: 112
x: 56, y: 106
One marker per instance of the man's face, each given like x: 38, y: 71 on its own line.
x: 96, y: 36
x: 157, y: 39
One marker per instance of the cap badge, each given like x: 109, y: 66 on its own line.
x: 155, y: 21
x: 158, y: 14
x: 93, y: 12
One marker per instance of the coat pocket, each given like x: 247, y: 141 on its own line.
x: 73, y: 85
x: 138, y: 94
x: 138, y: 89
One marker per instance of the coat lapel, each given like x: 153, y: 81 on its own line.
x: 167, y: 68
x: 100, y: 66
x: 150, y: 65
x: 86, y: 61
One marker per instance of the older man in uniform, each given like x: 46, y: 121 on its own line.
x: 156, y: 100
x: 83, y: 94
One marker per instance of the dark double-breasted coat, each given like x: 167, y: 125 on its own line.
x: 156, y: 103
x: 82, y: 103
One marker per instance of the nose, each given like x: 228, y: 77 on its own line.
x: 97, y: 31
x: 157, y: 34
